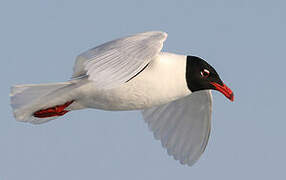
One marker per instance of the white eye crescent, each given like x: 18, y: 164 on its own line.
x: 205, y: 73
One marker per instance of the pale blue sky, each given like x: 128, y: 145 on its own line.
x: 244, y: 40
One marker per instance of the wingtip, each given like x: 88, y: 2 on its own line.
x: 156, y: 33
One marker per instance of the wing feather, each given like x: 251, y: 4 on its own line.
x: 114, y: 62
x: 183, y: 126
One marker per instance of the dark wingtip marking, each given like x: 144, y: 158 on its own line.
x: 58, y: 110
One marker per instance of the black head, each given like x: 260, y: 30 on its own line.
x: 202, y: 76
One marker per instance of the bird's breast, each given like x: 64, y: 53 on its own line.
x: 162, y: 81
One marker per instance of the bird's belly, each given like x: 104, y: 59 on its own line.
x: 126, y: 97
x: 161, y: 82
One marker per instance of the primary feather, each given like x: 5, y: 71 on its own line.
x: 183, y: 126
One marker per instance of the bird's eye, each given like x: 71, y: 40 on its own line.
x: 205, y: 73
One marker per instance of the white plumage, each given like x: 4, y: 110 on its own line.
x: 115, y: 62
x: 107, y: 77
x: 183, y: 126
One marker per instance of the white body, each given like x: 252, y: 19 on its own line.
x: 162, y: 81
x: 112, y: 77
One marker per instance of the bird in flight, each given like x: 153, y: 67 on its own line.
x: 131, y: 73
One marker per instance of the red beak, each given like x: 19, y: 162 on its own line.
x: 224, y: 90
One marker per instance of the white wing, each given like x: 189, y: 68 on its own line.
x: 115, y: 62
x: 183, y: 126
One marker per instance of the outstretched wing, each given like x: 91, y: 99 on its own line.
x: 183, y: 126
x: 115, y: 62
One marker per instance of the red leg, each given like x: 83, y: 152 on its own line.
x: 58, y: 110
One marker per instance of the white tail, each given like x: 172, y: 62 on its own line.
x: 29, y: 98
